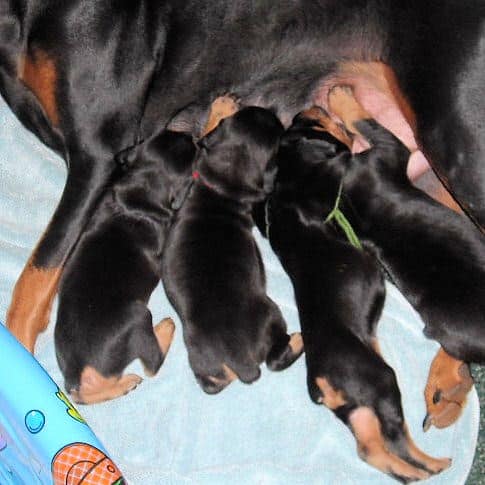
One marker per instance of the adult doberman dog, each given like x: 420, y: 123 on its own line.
x: 93, y: 77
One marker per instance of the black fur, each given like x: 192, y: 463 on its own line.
x: 433, y: 255
x: 339, y: 289
x: 212, y: 268
x: 103, y: 320
x: 117, y: 72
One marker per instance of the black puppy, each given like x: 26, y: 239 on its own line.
x: 103, y: 322
x: 212, y: 268
x: 433, y: 255
x: 339, y: 292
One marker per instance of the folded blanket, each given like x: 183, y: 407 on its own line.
x: 168, y: 430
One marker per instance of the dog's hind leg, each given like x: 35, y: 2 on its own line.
x: 34, y: 292
x: 449, y: 382
x: 156, y: 344
x: 369, y: 403
x: 285, y: 351
x: 94, y: 387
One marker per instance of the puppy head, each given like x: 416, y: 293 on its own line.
x: 311, y: 163
x: 237, y: 158
x: 163, y: 164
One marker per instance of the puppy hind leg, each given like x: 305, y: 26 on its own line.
x: 95, y: 388
x: 373, y: 447
x: 154, y: 343
x: 449, y: 381
x: 215, y: 382
x: 285, y: 351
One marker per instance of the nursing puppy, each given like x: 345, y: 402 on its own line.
x: 212, y: 269
x: 103, y: 322
x: 339, y: 292
x: 446, y: 283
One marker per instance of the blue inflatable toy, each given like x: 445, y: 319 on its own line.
x: 43, y: 438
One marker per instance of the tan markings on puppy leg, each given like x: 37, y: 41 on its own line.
x: 296, y: 343
x: 32, y: 298
x: 435, y: 465
x: 449, y: 382
x: 372, y: 448
x: 230, y: 374
x: 221, y: 108
x: 96, y: 388
x: 341, y: 102
x: 376, y: 346
x: 164, y: 331
x: 327, y: 124
x: 38, y: 72
x: 331, y: 398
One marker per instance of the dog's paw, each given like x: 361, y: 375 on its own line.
x: 397, y: 456
x: 95, y: 388
x: 222, y: 107
x: 164, y: 331
x: 342, y: 103
x: 449, y: 382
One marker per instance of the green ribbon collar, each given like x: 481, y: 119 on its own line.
x: 344, y: 224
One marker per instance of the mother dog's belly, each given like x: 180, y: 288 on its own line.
x: 375, y: 87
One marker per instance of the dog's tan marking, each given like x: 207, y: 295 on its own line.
x: 331, y: 398
x: 372, y: 447
x: 296, y: 343
x: 449, y: 382
x: 229, y: 376
x: 222, y: 107
x: 38, y: 72
x: 436, y: 465
x: 327, y: 124
x: 96, y: 388
x: 342, y: 103
x: 164, y: 331
x: 376, y: 346
x: 31, y: 304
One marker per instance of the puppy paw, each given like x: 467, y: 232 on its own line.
x: 342, y: 103
x: 95, y: 388
x: 222, y: 107
x: 326, y: 123
x: 405, y: 462
x: 449, y: 382
x: 164, y: 331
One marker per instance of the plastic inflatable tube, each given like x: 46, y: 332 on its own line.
x: 43, y: 438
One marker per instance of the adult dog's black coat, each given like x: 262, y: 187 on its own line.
x: 339, y: 292
x: 92, y: 77
x: 103, y: 322
x: 212, y: 269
